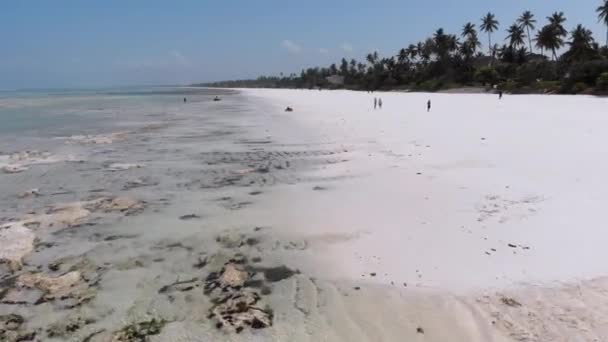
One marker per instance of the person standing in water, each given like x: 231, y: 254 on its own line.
x: 380, y: 103
x: 185, y: 100
x: 375, y: 103
x: 428, y: 106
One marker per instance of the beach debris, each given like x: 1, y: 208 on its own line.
x: 510, y: 302
x: 11, y: 329
x: 189, y: 217
x: 138, y: 332
x: 373, y: 274
x: 357, y: 288
x: 419, y: 330
x: 17, y: 241
x: 319, y: 188
x: 512, y: 245
x: 289, y: 109
x: 255, y: 193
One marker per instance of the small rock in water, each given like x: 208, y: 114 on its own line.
x: 373, y: 274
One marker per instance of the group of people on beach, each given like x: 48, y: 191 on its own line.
x: 378, y: 104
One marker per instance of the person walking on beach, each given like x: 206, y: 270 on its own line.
x: 380, y: 103
x: 375, y: 103
x: 500, y: 94
x: 428, y: 106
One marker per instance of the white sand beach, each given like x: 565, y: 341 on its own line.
x: 480, y: 220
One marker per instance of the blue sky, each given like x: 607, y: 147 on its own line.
x: 60, y: 43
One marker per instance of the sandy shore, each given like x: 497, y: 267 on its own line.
x: 478, y: 221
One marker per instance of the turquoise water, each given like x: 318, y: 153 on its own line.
x: 80, y: 111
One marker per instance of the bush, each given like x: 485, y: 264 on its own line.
x: 530, y: 72
x: 580, y: 87
x: 549, y: 86
x: 602, y: 81
x: 509, y: 86
x: 430, y: 85
x: 487, y: 76
x: 587, y: 72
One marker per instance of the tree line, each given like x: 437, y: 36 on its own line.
x: 547, y: 58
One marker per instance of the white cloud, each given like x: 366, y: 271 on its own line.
x: 323, y: 51
x: 347, y: 47
x: 291, y: 46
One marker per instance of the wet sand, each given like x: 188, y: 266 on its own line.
x: 236, y: 221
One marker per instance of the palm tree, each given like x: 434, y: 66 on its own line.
x: 515, y: 36
x: 412, y: 51
x: 548, y: 38
x: 602, y: 14
x: 372, y: 58
x: 489, y: 24
x: 543, y: 38
x: 527, y: 21
x: 468, y: 30
x: 557, y: 20
x: 581, y: 45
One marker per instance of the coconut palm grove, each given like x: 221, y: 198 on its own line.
x: 538, y: 55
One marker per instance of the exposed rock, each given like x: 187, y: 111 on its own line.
x: 52, y: 286
x: 66, y: 327
x: 235, y: 304
x: 70, y: 289
x: 21, y: 161
x: 139, y: 332
x: 233, y: 275
x: 17, y: 241
x: 231, y: 240
x: 121, y: 204
x: 238, y: 310
x: 11, y: 329
x: 14, y: 168
x: 29, y: 193
x: 97, y: 139
x: 123, y: 166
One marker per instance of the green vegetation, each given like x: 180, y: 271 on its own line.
x: 568, y: 62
